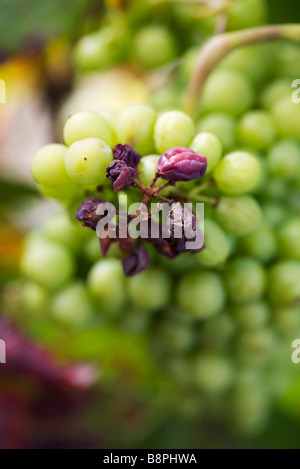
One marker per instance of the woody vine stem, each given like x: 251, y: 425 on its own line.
x: 221, y: 45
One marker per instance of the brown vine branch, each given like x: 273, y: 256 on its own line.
x: 221, y: 45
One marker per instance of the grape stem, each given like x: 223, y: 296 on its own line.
x: 220, y: 45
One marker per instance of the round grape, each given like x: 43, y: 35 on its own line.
x: 154, y: 45
x: 86, y: 124
x: 209, y: 145
x: 245, y: 280
x: 73, y: 305
x: 284, y: 283
x: 256, y: 129
x: 239, y: 215
x: 237, y: 172
x: 173, y: 129
x: 150, y: 290
x: 87, y: 159
x: 283, y: 160
x: 222, y: 125
x: 201, y: 294
x: 135, y: 126
x: 217, y: 245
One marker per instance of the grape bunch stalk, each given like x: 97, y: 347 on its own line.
x: 219, y: 323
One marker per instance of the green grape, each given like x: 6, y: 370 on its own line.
x: 218, y: 331
x: 276, y: 189
x: 188, y: 63
x: 249, y: 408
x: 288, y: 238
x: 222, y: 125
x: 262, y: 181
x: 101, y: 49
x: 154, y: 45
x: 256, y: 347
x: 150, y: 290
x: 276, y: 90
x: 86, y: 124
x: 287, y: 60
x: 287, y: 321
x: 48, y: 169
x: 61, y: 229
x: 174, y: 336
x: 252, y: 315
x: 165, y: 98
x: 274, y: 214
x: 72, y: 305
x: 283, y: 160
x: 227, y: 91
x: 239, y: 215
x: 87, y: 159
x: 134, y: 321
x: 286, y: 116
x: 135, y: 126
x: 34, y: 298
x: 253, y: 60
x: 49, y: 264
x: 284, y: 283
x: 209, y: 145
x: 110, y: 116
x: 61, y: 193
x: 147, y: 169
x: 201, y: 294
x: 173, y: 129
x: 106, y: 282
x: 256, y: 128
x: 214, y: 374
x: 217, y: 245
x: 237, y: 172
x: 246, y: 14
x: 245, y: 280
x: 261, y: 244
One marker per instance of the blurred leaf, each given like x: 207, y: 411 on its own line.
x: 30, y: 22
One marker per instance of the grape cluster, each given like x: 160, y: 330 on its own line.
x: 220, y: 322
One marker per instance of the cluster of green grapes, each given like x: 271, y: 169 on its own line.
x: 219, y: 322
x: 150, y: 34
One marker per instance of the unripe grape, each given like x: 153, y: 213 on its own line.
x: 245, y: 280
x: 274, y: 92
x: 174, y: 336
x: 86, y: 124
x: 289, y: 239
x: 154, y: 45
x: 256, y: 347
x: 218, y: 331
x: 173, y: 129
x: 274, y: 214
x: 73, y: 305
x: 201, y: 294
x: 252, y: 315
x: 261, y: 244
x: 48, y: 169
x: 227, y: 91
x: 284, y: 283
x: 287, y: 321
x: 283, y: 160
x: 237, y: 172
x: 87, y: 159
x: 135, y: 126
x: 110, y: 116
x: 150, y: 290
x: 213, y: 374
x: 222, y: 125
x: 209, y: 145
x: 257, y: 129
x: 47, y: 263
x: 61, y: 229
x: 106, y: 282
x: 286, y: 115
x: 246, y: 14
x: 239, y: 215
x: 217, y: 245
x: 34, y: 298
